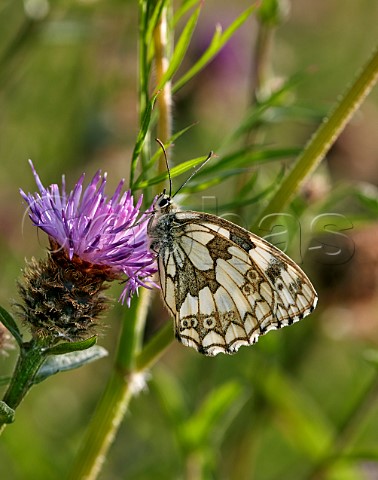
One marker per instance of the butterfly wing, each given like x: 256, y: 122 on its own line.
x: 225, y: 286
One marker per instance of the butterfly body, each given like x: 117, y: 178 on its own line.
x: 224, y: 285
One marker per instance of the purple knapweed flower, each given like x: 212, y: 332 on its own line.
x: 107, y: 233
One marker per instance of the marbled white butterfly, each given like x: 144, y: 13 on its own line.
x: 223, y: 285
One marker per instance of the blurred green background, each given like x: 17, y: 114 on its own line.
x: 302, y: 403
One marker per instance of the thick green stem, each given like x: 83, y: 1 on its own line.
x: 118, y: 392
x: 125, y: 380
x: 103, y: 427
x: 323, y: 138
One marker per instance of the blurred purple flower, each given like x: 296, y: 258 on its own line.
x: 90, y: 227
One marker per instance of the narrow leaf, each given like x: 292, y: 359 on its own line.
x: 171, y: 396
x: 181, y: 48
x: 248, y: 157
x: 212, y: 413
x: 68, y: 361
x: 258, y: 113
x: 140, y: 138
x: 157, y: 154
x: 217, y: 43
x: 8, y: 321
x: 241, y: 200
x: 184, y: 7
x: 175, y: 171
x: 68, y: 347
x: 300, y: 418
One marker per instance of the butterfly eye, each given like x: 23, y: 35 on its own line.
x: 163, y: 201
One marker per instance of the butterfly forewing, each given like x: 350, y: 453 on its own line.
x: 224, y: 285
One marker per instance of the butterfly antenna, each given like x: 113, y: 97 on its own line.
x: 167, y: 164
x: 195, y: 172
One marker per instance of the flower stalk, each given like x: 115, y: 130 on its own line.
x: 126, y: 380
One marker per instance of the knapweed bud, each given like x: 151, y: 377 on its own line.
x: 93, y: 240
x: 59, y: 300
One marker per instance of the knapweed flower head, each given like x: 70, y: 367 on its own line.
x: 103, y: 234
x: 94, y: 239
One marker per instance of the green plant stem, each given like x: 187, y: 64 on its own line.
x: 29, y: 361
x: 164, y: 99
x: 323, y: 138
x: 125, y: 380
x: 261, y: 63
x: 103, y: 427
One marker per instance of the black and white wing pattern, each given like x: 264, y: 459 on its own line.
x: 224, y: 286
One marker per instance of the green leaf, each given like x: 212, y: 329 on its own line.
x: 247, y: 157
x: 157, y: 154
x: 140, y: 138
x: 8, y: 321
x: 231, y: 164
x: 258, y: 114
x: 181, y: 48
x: 184, y: 7
x: 217, y: 43
x: 300, y: 419
x: 175, y: 171
x: 213, y: 413
x: 68, y: 347
x: 6, y: 413
x: 171, y: 396
x: 68, y: 361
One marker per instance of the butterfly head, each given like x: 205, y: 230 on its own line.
x: 163, y: 203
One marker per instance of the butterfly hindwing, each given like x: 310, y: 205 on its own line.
x: 224, y: 285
